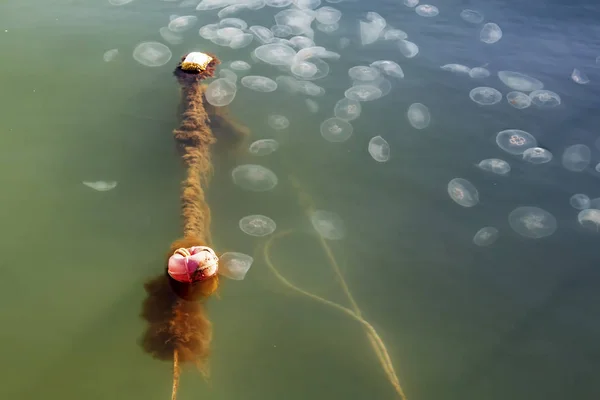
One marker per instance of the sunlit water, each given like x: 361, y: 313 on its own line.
x: 516, y: 319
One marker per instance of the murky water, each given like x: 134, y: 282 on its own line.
x: 515, y: 319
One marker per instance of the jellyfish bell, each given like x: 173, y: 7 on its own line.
x: 515, y: 141
x: 408, y: 48
x: 220, y: 92
x: 418, y: 115
x: 485, y: 96
x: 577, y: 157
x: 426, y: 10
x: 579, y: 77
x: 101, y: 186
x: 347, y: 109
x: 379, y: 149
x: 263, y: 147
x: 181, y: 24
x: 253, y: 177
x: 257, y: 225
x: 328, y: 225
x: 518, y: 100
x: 110, y: 55
x: 495, y: 165
x: 463, y: 192
x: 259, y: 83
x: 479, y: 73
x: 152, y: 54
x: 532, y: 222
x: 471, y: 16
x: 239, y: 65
x: 234, y: 265
x: 545, y: 98
x: 197, y: 263
x: 519, y: 81
x: 490, y: 33
x: 580, y: 201
x: 363, y: 93
x: 336, y: 130
x: 589, y: 219
x: 363, y: 73
x: 486, y: 236
x: 389, y: 68
x: 278, y: 122
x: 537, y: 155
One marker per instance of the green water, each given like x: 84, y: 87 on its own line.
x: 459, y: 322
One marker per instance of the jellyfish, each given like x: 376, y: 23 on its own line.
x: 278, y: 122
x: 181, y: 24
x: 264, y: 35
x: 371, y: 30
x: 220, y: 92
x: 253, y: 177
x: 407, y: 48
x: 544, y: 98
x: 301, y: 42
x: 519, y: 81
x: 485, y: 236
x: 457, y: 68
x: 336, y: 130
x: 518, y: 100
x: 471, y: 16
x: 379, y: 149
x: 394, y: 34
x: 485, y: 96
x: 259, y: 83
x: 239, y: 65
x: 101, y: 186
x: 532, y: 222
x: 209, y: 31
x: 363, y: 93
x: 363, y: 73
x: 110, y: 55
x: 312, y: 105
x: 426, y: 10
x: 263, y: 147
x: 577, y: 157
x: 234, y: 265
x: 537, y: 155
x: 119, y: 2
x: 278, y: 3
x: 275, y: 54
x: 463, y: 192
x: 170, y: 36
x: 590, y: 219
x: 152, y: 54
x: 580, y: 201
x: 579, y: 77
x: 515, y: 141
x: 328, y: 224
x: 304, y: 69
x: 411, y: 3
x: 490, y: 33
x: 389, y: 68
x: 257, y: 225
x: 281, y: 31
x: 328, y: 15
x: 418, y: 115
x: 307, y: 4
x: 233, y: 22
x: 347, y: 109
x: 495, y: 166
x: 479, y: 73
x: 240, y: 41
x: 298, y: 20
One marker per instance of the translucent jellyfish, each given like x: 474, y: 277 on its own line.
x: 307, y: 4
x: 119, y: 2
x: 576, y: 158
x: 394, y: 34
x: 220, y: 92
x: 519, y: 81
x: 264, y: 35
x: 518, y: 100
x: 363, y: 73
x: 301, y: 42
x: 579, y: 77
x: 152, y: 54
x: 590, y: 219
x: 328, y: 28
x: 371, y: 30
x: 495, y: 165
x: 275, y: 54
x: 418, y: 115
x: 234, y: 23
x: 426, y: 10
x: 336, y: 130
x: 259, y: 83
x: 209, y: 31
x: 278, y: 122
x: 532, y: 222
x: 230, y: 10
x: 298, y: 20
x: 110, y: 55
x: 537, y: 155
x: 490, y: 33
x: 485, y: 96
x: 544, y: 98
x: 407, y: 48
x: 181, y: 24
x: 228, y: 74
x: 101, y: 186
x: 278, y: 3
x: 263, y: 147
x: 486, y: 236
x: 389, y: 68
x: 411, y: 3
x: 344, y: 42
x: 479, y: 73
x: 254, y: 177
x: 281, y: 31
x: 328, y: 15
x: 379, y: 149
x: 312, y: 105
x: 170, y: 36
x: 328, y: 224
x: 240, y: 41
x: 239, y: 65
x: 597, y: 167
x: 235, y: 265
x: 515, y: 141
x: 363, y: 93
x: 304, y: 69
x: 471, y: 16
x: 257, y: 225
x: 347, y: 109
x: 580, y: 201
x: 463, y: 192
x: 456, y: 68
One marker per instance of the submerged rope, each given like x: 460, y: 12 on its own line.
x: 374, y: 339
x: 176, y: 373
